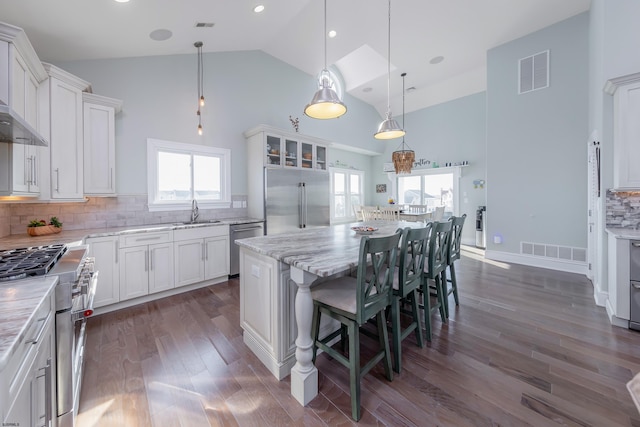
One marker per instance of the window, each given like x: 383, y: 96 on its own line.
x: 179, y: 173
x: 346, y: 191
x: 432, y: 189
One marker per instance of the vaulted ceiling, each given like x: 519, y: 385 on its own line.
x: 459, y: 31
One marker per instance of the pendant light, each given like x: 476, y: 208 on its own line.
x: 198, y: 46
x: 389, y: 128
x: 403, y: 159
x: 325, y: 103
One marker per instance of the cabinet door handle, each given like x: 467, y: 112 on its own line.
x: 635, y: 244
x: 111, y: 179
x: 117, y: 249
x: 47, y: 392
x: 151, y: 255
x: 206, y: 251
x: 35, y: 170
x: 146, y: 260
x: 57, y: 180
x: 203, y: 251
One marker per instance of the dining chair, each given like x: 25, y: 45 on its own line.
x: 388, y: 213
x: 438, y: 213
x: 369, y: 213
x: 457, y: 222
x: 357, y: 212
x: 436, y: 273
x: 354, y: 300
x: 407, y: 281
x: 417, y: 209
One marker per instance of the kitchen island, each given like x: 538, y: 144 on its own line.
x: 276, y: 273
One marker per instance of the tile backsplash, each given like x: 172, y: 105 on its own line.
x: 623, y: 209
x: 102, y: 212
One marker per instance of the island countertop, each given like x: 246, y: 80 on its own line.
x: 19, y: 300
x: 321, y: 251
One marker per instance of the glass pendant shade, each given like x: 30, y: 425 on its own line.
x: 325, y: 103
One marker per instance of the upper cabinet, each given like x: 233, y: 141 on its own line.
x: 21, y: 75
x: 275, y: 148
x: 99, y: 144
x: 626, y: 130
x: 66, y: 133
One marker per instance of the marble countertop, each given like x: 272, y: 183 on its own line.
x: 19, y: 301
x: 76, y: 237
x: 321, y: 251
x: 624, y: 233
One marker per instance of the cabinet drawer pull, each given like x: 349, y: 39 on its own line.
x: 40, y: 332
x: 142, y: 239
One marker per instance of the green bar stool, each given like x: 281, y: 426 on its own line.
x: 434, y: 278
x: 354, y: 300
x: 413, y: 250
x: 457, y: 222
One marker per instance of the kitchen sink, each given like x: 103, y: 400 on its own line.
x: 203, y: 222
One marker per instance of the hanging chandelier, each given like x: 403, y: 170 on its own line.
x: 403, y: 158
x: 198, y: 46
x: 325, y: 103
x: 389, y: 128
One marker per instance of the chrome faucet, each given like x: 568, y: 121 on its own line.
x: 194, y: 210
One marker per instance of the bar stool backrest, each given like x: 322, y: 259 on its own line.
x: 438, y: 248
x: 413, y: 252
x: 456, y: 237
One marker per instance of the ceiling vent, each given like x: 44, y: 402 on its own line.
x: 204, y: 24
x: 534, y: 72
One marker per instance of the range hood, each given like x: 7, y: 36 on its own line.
x: 14, y: 129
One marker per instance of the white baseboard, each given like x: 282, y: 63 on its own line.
x: 615, y: 321
x: 533, y: 261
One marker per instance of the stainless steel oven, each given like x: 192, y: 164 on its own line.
x: 74, y: 303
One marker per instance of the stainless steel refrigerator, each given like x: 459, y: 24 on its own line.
x: 295, y: 200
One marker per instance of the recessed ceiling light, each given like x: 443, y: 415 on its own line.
x: 436, y: 60
x: 122, y: 1
x: 367, y: 89
x: 332, y: 34
x: 259, y: 8
x: 160, y: 35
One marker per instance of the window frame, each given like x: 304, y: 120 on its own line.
x: 456, y: 171
x: 348, y: 208
x: 154, y: 146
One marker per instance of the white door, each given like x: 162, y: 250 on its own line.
x: 160, y: 267
x: 134, y: 272
x: 216, y: 257
x: 189, y: 265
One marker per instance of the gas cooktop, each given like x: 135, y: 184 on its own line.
x: 31, y: 261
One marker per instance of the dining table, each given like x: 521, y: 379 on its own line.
x: 311, y: 256
x: 416, y: 216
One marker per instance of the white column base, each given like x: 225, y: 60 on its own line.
x: 304, y: 386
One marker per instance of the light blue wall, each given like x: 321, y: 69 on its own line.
x: 450, y: 132
x: 536, y: 142
x: 242, y: 90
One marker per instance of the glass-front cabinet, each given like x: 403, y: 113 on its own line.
x: 288, y: 151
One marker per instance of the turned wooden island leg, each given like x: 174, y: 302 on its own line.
x: 304, y: 375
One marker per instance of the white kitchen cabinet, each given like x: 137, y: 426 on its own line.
x: 21, y: 176
x: 626, y: 130
x: 146, y: 264
x: 201, y: 253
x: 105, y: 251
x: 66, y: 134
x: 99, y: 144
x: 27, y: 396
x: 275, y: 148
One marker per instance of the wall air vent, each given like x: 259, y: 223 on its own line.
x: 204, y: 24
x: 564, y: 253
x: 533, y: 72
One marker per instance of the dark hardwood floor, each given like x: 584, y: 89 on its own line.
x: 526, y: 347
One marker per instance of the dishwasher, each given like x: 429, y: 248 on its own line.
x: 241, y: 231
